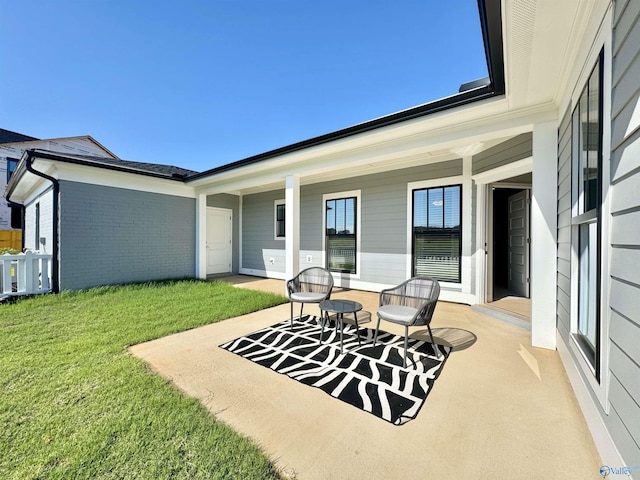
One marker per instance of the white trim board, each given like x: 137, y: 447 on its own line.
x: 445, y: 295
x: 514, y: 169
x: 112, y: 178
x: 263, y: 273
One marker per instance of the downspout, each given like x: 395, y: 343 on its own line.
x: 55, y: 264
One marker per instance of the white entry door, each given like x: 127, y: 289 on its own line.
x: 219, y: 222
x: 519, y: 243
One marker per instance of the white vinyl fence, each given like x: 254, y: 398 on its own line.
x: 25, y: 273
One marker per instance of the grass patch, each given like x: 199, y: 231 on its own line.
x: 74, y: 404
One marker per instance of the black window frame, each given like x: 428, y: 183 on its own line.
x: 581, y: 216
x: 459, y: 228
x: 280, y: 220
x: 353, y: 236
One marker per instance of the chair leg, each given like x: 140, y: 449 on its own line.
x: 341, y: 315
x: 324, y: 319
x: 375, y: 337
x: 301, y: 307
x: 433, y: 343
x: 406, y: 341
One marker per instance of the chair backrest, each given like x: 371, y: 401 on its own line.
x: 313, y: 279
x: 417, y: 292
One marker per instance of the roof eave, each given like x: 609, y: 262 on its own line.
x: 416, y: 112
x: 21, y: 168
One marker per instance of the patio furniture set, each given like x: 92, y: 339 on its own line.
x: 410, y: 304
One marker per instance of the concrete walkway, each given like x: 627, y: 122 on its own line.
x: 500, y: 408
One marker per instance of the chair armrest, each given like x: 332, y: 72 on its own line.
x: 397, y: 291
x: 290, y: 284
x: 425, y: 312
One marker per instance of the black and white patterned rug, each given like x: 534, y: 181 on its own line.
x: 370, y: 378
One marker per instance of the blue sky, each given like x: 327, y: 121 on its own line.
x: 203, y: 83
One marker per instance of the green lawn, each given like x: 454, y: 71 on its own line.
x: 75, y: 404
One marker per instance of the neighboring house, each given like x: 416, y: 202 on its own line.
x: 12, y: 146
x: 554, y: 135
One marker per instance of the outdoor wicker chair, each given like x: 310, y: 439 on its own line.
x: 411, y: 304
x: 311, y: 285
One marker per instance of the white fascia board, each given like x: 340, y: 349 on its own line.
x: 364, y: 143
x: 378, y: 151
x: 112, y: 178
x: 514, y: 169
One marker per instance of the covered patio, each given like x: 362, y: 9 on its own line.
x: 500, y: 408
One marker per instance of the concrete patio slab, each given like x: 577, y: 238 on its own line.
x: 500, y: 408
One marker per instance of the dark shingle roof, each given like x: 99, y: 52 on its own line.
x: 7, y: 136
x: 154, y: 169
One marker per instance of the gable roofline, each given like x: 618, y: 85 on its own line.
x: 58, y: 139
x: 99, y: 145
x: 155, y: 170
x: 7, y: 136
x: 490, y: 12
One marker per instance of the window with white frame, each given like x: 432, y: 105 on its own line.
x: 341, y: 241
x: 279, y: 222
x: 586, y: 196
x: 437, y: 233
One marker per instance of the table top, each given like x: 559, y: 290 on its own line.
x: 340, y: 306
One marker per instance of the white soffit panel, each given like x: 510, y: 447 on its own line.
x: 540, y: 38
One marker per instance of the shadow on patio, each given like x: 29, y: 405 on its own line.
x: 500, y: 408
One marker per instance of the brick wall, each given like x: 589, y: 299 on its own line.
x: 112, y: 235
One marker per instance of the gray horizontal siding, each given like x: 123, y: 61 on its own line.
x: 384, y: 217
x: 623, y: 18
x: 623, y: 397
x: 621, y: 102
x: 230, y: 202
x: 624, y: 160
x: 626, y: 61
x: 514, y: 149
x: 384, y: 227
x: 259, y: 245
x: 624, y: 328
x: 625, y: 228
x: 114, y: 236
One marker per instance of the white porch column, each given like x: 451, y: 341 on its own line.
x: 292, y: 226
x: 201, y: 236
x: 467, y: 189
x: 544, y: 233
x: 481, y: 252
